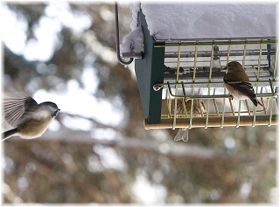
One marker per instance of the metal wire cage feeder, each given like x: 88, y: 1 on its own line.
x: 174, y: 70
x: 193, y: 71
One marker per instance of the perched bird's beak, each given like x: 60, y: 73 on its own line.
x: 225, y: 68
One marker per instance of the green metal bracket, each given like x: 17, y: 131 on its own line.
x: 149, y: 71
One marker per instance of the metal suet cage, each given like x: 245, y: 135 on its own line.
x: 170, y: 71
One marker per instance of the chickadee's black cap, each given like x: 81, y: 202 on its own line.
x: 52, y: 104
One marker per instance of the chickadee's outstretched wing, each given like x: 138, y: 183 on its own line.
x: 17, y: 110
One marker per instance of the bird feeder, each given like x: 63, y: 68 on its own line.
x: 189, y: 68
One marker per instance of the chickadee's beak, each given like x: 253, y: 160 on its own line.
x: 225, y: 68
x: 55, y: 113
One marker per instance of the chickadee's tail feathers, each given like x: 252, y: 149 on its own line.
x: 9, y: 133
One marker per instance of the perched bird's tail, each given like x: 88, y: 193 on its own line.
x: 255, y: 101
x: 182, y: 134
x: 9, y: 133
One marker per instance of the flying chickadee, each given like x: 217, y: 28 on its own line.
x: 198, y: 107
x: 29, y: 119
x: 237, y: 83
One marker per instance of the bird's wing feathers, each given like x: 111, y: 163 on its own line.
x: 17, y: 110
x: 244, y: 87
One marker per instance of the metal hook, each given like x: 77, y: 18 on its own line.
x: 118, y: 39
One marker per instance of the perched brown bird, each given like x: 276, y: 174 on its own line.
x: 238, y: 83
x: 198, y: 107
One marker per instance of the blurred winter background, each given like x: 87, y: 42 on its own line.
x: 97, y: 151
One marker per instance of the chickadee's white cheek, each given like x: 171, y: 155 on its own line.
x: 40, y: 115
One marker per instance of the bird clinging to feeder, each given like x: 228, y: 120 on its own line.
x: 238, y: 83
